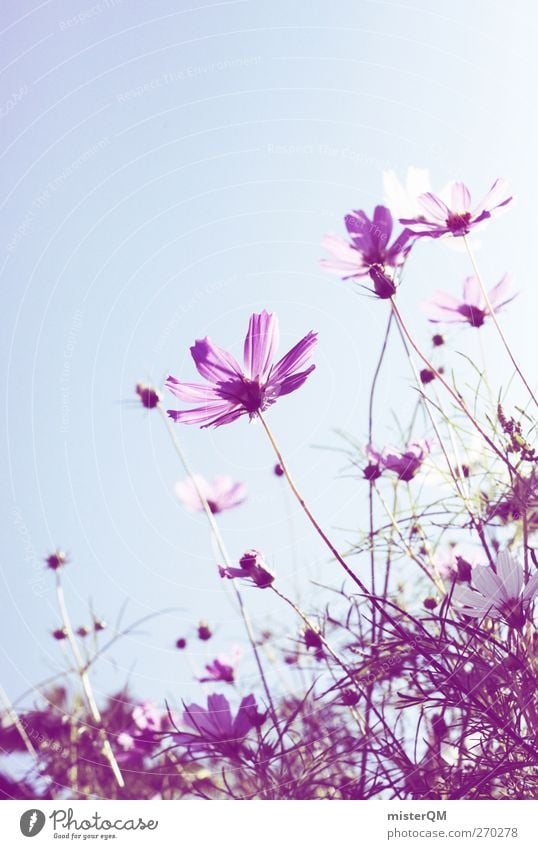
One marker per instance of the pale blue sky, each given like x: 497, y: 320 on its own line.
x: 168, y: 168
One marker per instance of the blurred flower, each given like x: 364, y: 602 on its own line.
x: 204, y: 631
x: 231, y: 391
x: 404, y: 463
x: 222, y: 668
x: 126, y: 741
x: 148, y: 395
x: 83, y: 631
x: 215, y: 723
x: 472, y: 309
x: 368, y: 253
x: 56, y: 560
x: 458, y: 219
x: 499, y: 594
x: 147, y: 717
x: 252, y: 567
x: 221, y: 494
x: 402, y: 200
x: 455, y: 563
x: 372, y: 471
x: 426, y: 376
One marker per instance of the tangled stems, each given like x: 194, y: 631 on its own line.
x: 455, y: 395
x: 380, y: 604
x: 217, y: 536
x: 491, y: 313
x: 86, y: 685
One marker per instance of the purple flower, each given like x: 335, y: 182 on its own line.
x: 459, y: 218
x: 499, y: 594
x: 222, y: 669
x: 368, y: 253
x: 252, y: 567
x: 472, y: 308
x: 221, y: 494
x: 231, y: 391
x: 215, y: 723
x: 404, y: 463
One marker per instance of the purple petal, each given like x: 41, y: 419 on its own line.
x: 382, y: 230
x: 494, y: 198
x: 502, y: 293
x: 472, y: 293
x: 294, y: 359
x: 434, y: 207
x: 349, y: 262
x: 511, y: 574
x: 261, y: 343
x: 213, y: 363
x: 460, y: 198
x: 190, y: 392
x: 204, y: 416
x: 290, y: 383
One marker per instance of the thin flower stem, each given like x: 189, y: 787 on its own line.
x: 334, y: 551
x: 457, y: 398
x: 86, y: 685
x: 217, y: 536
x: 491, y: 313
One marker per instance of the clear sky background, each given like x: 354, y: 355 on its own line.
x: 168, y: 167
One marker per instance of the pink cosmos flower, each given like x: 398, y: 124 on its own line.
x: 252, y: 567
x: 221, y: 494
x: 232, y: 391
x: 215, y: 723
x: 222, y: 668
x: 404, y: 463
x: 458, y: 219
x: 368, y: 253
x: 499, y: 594
x: 472, y: 308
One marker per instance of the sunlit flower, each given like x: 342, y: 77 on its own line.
x: 402, y: 199
x: 222, y: 668
x: 471, y: 308
x: 458, y: 219
x: 368, y: 253
x: 252, y: 567
x: 221, y: 493
x: 404, y: 463
x: 231, y: 391
x: 215, y: 723
x: 499, y: 594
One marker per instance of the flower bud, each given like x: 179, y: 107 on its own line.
x: 148, y: 396
x: 204, y: 631
x: 56, y: 560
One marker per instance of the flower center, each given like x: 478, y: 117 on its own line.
x: 458, y: 223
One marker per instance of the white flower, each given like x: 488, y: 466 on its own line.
x: 402, y: 200
x: 499, y: 594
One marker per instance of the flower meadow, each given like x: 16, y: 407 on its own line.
x: 413, y: 673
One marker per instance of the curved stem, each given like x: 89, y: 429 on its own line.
x: 491, y: 313
x: 227, y: 561
x: 456, y: 397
